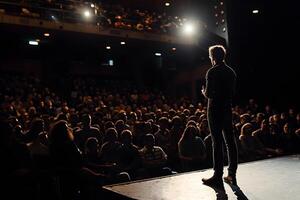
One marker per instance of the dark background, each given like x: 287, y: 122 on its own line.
x: 264, y: 50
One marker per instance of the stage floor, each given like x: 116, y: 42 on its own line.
x: 271, y: 179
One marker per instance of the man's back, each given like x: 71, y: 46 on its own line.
x: 221, y: 81
x: 220, y: 87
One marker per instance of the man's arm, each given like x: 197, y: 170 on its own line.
x: 209, y: 91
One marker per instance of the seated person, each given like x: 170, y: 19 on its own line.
x: 191, y: 149
x: 86, y: 131
x: 251, y: 146
x: 129, y: 157
x: 154, y: 159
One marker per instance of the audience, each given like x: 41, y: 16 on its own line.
x: 108, y: 132
x: 102, y: 14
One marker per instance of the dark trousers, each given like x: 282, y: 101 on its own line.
x: 220, y: 125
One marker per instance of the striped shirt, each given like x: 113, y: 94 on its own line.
x: 155, y: 156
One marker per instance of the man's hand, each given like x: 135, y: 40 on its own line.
x: 203, y: 90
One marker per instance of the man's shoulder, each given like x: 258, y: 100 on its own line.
x: 230, y: 69
x: 211, y: 71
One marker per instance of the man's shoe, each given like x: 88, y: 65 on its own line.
x: 230, y: 180
x: 213, y: 181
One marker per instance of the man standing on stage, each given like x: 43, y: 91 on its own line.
x: 219, y: 90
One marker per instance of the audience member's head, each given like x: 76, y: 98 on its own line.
x: 247, y: 129
x: 189, y: 133
x: 126, y: 137
x: 149, y: 141
x: 176, y: 122
x: 287, y: 129
x: 91, y: 146
x: 86, y: 120
x: 264, y: 125
x: 111, y: 135
x: 60, y: 133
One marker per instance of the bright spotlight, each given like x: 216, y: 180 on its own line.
x: 158, y: 54
x: 167, y: 4
x: 92, y: 5
x: 122, y: 43
x: 87, y: 14
x: 34, y: 43
x: 46, y: 34
x: 188, y: 28
x: 255, y: 11
x: 108, y: 47
x: 173, y: 49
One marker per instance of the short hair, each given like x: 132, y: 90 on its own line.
x: 126, y: 134
x: 149, y: 138
x: 244, y: 127
x: 217, y: 52
x: 111, y: 135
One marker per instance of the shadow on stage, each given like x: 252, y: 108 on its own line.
x: 222, y: 195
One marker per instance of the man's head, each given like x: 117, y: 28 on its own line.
x: 217, y: 54
x: 86, y: 120
x: 126, y: 137
x: 149, y: 141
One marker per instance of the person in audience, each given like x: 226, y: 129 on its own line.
x: 16, y: 165
x: 252, y: 146
x: 263, y: 134
x: 244, y: 118
x: 154, y: 159
x: 129, y: 157
x: 109, y: 149
x: 92, y: 150
x: 86, y: 131
x: 257, y: 121
x: 67, y: 161
x: 191, y: 149
x: 163, y: 136
x: 289, y: 141
x: 176, y: 131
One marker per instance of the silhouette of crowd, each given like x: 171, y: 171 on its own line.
x: 66, y: 144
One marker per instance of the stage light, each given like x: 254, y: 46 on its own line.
x: 53, y: 17
x: 87, y: 13
x: 108, y: 47
x: 255, y: 11
x: 111, y: 63
x: 158, y: 54
x: 188, y: 28
x: 46, y: 34
x: 122, y: 43
x: 173, y: 49
x: 167, y: 4
x: 92, y: 5
x: 34, y: 43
